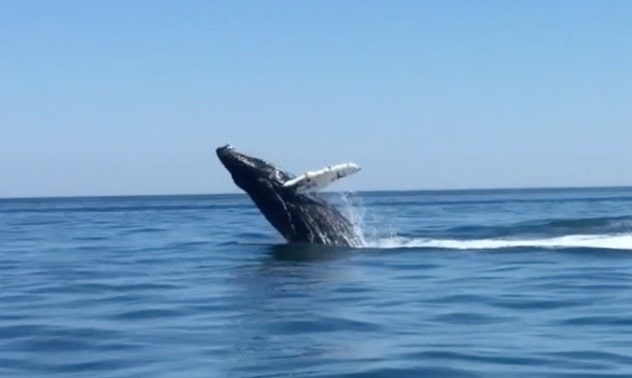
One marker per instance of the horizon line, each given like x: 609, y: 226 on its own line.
x: 481, y: 189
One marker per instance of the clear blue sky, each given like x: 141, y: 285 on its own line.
x: 132, y: 97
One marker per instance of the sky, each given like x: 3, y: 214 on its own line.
x: 132, y: 97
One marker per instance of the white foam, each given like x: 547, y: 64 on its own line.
x: 617, y: 241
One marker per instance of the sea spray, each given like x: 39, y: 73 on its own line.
x: 368, y: 226
x: 352, y: 208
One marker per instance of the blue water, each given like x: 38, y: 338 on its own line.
x: 467, y: 283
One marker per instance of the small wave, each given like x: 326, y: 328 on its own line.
x: 615, y: 242
x: 119, y: 208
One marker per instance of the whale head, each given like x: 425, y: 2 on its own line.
x: 251, y: 174
x: 263, y: 182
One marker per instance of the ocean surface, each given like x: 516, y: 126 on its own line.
x: 449, y: 283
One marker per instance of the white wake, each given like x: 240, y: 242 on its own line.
x: 615, y: 241
x: 371, y: 237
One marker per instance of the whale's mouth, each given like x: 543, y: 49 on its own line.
x: 250, y: 173
x: 224, y: 153
x: 236, y: 162
x: 231, y: 159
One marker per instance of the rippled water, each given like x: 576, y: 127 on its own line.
x: 472, y: 283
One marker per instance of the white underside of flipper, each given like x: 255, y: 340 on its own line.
x: 312, y: 181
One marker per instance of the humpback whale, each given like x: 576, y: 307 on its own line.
x: 286, y: 201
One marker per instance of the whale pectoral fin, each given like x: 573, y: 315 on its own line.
x: 312, y: 181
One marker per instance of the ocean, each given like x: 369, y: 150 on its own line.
x: 448, y: 284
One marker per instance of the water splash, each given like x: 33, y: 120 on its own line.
x: 353, y: 210
x: 365, y: 223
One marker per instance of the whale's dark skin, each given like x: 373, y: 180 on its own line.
x: 299, y: 217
